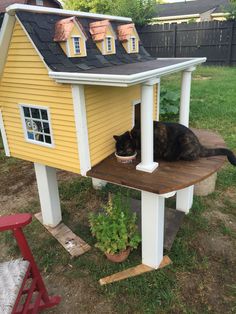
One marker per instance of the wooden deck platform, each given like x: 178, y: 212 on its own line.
x: 169, y: 176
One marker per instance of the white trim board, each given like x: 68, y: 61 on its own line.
x: 32, y: 8
x: 5, y: 38
x: 81, y: 128
x: 4, y: 136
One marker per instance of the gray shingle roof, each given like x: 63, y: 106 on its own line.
x: 191, y: 7
x: 41, y: 29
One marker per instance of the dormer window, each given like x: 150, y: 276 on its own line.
x: 76, y: 41
x: 133, y: 44
x: 69, y: 33
x: 109, y: 44
x: 128, y: 35
x: 104, y: 36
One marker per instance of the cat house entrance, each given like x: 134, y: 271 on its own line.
x: 137, y: 114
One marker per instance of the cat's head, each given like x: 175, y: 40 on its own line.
x: 125, y: 144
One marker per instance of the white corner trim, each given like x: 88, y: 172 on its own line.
x: 5, y: 38
x: 158, y: 100
x: 4, y: 136
x: 81, y: 128
x: 31, y: 41
x: 32, y: 8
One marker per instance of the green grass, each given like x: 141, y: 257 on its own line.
x: 213, y: 106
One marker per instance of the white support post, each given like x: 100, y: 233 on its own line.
x: 147, y: 164
x: 153, y: 214
x: 48, y: 194
x: 98, y: 184
x: 185, y: 96
x: 184, y: 198
x: 158, y: 100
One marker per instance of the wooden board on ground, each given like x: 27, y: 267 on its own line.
x: 173, y: 221
x: 70, y: 241
x: 132, y: 272
x: 169, y: 176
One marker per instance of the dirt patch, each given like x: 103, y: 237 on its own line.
x: 78, y: 296
x: 201, y: 290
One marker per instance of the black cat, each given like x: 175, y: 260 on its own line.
x: 172, y: 142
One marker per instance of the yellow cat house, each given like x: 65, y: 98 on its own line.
x: 71, y: 80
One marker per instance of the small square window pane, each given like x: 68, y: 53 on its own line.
x: 30, y: 135
x: 40, y: 137
x: 28, y: 124
x: 44, y: 114
x: 26, y: 111
x: 35, y: 113
x: 36, y: 125
x: 46, y: 128
x: 48, y: 139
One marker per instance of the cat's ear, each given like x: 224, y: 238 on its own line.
x: 116, y: 137
x: 127, y: 134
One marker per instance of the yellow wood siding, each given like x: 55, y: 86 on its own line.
x: 109, y: 112
x: 25, y: 81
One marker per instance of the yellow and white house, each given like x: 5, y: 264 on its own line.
x: 68, y: 83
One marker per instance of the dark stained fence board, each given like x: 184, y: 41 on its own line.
x: 215, y: 40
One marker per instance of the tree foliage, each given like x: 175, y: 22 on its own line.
x: 232, y: 10
x: 141, y: 11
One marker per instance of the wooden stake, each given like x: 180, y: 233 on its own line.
x: 70, y: 241
x: 132, y: 272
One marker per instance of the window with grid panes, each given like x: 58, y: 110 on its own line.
x: 36, y: 123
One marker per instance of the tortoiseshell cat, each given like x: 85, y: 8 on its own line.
x: 172, y: 142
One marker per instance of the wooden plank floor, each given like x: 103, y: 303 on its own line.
x: 70, y: 241
x: 169, y: 176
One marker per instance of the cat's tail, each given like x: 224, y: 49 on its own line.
x: 207, y: 152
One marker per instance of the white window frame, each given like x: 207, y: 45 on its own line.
x: 79, y: 42
x: 52, y: 145
x: 39, y: 2
x: 131, y: 43
x: 111, y: 39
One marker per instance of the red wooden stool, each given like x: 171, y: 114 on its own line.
x: 22, y: 289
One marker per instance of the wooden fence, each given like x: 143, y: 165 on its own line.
x: 214, y: 40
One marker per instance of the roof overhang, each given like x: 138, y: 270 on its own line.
x: 11, y: 10
x: 176, y: 17
x: 124, y: 80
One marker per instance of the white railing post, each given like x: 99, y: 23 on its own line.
x: 48, y: 194
x: 184, y: 198
x: 185, y: 96
x: 147, y: 164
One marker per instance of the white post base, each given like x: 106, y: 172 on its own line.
x: 152, y: 229
x: 184, y: 199
x: 147, y: 168
x: 48, y: 194
x: 98, y: 184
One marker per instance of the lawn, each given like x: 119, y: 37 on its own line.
x: 202, y: 278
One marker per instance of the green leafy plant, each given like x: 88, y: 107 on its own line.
x: 169, y: 102
x: 115, y: 228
